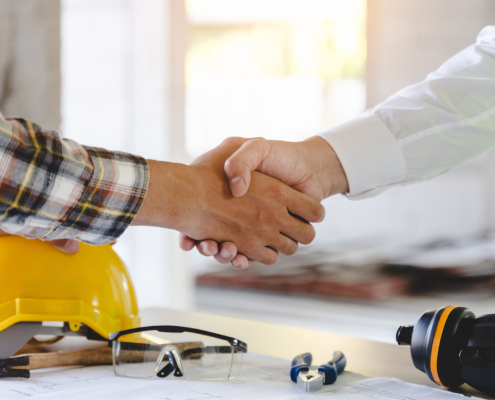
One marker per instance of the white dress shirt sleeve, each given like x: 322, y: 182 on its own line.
x: 424, y: 130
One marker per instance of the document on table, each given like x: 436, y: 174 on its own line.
x: 262, y: 377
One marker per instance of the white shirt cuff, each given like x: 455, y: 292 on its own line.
x: 369, y: 153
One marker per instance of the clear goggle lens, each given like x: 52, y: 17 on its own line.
x: 195, y: 356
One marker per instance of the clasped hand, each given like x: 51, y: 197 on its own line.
x: 310, y: 167
x: 270, y: 218
x: 225, y: 208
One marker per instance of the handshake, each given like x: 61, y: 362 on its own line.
x: 247, y: 199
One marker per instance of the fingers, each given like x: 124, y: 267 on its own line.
x: 224, y: 255
x: 284, y: 245
x: 66, y: 246
x: 297, y: 229
x: 186, y: 243
x: 207, y: 248
x: 241, y: 262
x: 263, y: 255
x: 239, y: 165
x: 227, y: 253
x: 304, y: 206
x: 267, y: 256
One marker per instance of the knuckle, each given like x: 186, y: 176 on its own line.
x: 233, y: 140
x: 261, y: 236
x: 254, y: 143
x: 250, y: 249
x: 230, y: 165
x: 270, y: 217
x: 278, y: 193
x: 254, y: 146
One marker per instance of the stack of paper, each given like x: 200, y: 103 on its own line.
x: 262, y: 377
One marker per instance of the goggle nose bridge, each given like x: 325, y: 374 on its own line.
x: 174, y: 362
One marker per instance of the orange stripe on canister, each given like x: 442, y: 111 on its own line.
x: 436, y: 344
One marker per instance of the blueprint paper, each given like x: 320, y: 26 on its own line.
x: 262, y: 377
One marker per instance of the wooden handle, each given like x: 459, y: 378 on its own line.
x: 96, y: 356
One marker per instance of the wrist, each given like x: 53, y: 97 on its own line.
x: 169, y: 194
x: 326, y: 166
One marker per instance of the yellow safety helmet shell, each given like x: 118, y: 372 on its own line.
x: 40, y: 283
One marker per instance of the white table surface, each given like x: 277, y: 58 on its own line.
x: 365, y: 357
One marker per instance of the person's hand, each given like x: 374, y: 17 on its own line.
x: 67, y: 246
x: 224, y: 253
x: 196, y: 201
x: 311, y: 166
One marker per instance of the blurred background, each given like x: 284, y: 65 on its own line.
x: 170, y: 79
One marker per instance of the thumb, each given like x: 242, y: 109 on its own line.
x: 239, y: 165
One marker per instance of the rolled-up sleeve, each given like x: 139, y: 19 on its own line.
x: 424, y: 130
x: 54, y: 188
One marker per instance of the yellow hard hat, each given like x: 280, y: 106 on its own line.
x: 90, y: 292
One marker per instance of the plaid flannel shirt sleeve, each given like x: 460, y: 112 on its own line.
x: 54, y: 188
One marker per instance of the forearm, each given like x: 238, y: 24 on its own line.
x: 169, y: 195
x: 426, y: 129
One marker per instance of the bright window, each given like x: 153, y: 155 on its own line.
x: 278, y: 69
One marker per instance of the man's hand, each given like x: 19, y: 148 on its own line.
x: 224, y: 254
x: 196, y: 200
x: 66, y: 246
x: 311, y: 166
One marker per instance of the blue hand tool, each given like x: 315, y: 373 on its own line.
x: 310, y: 378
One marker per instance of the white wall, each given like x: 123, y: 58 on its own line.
x: 119, y: 73
x: 408, y: 39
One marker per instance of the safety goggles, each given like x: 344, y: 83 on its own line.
x: 183, y: 352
